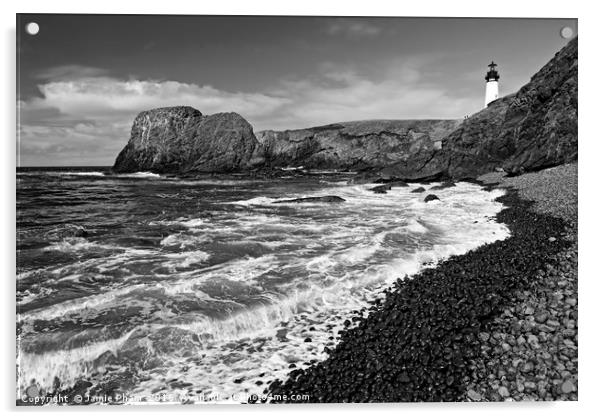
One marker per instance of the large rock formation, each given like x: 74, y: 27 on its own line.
x: 363, y: 145
x: 182, y: 140
x: 532, y: 129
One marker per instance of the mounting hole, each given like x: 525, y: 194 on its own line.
x: 32, y: 28
x: 566, y: 32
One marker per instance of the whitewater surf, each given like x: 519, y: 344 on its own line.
x: 211, y: 287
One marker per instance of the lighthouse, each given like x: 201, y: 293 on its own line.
x: 491, y: 87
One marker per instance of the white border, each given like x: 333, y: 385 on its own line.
x: 589, y: 214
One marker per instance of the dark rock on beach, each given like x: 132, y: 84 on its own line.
x: 322, y: 199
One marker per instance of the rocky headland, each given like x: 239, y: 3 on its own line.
x: 531, y: 129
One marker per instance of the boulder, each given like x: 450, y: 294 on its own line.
x: 430, y: 197
x: 181, y: 140
x: 381, y: 189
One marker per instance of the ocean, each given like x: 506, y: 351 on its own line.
x: 206, y: 287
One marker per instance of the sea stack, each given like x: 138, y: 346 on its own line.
x: 182, y: 140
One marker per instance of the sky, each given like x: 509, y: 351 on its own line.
x: 83, y: 78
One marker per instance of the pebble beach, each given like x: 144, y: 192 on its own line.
x: 498, y: 323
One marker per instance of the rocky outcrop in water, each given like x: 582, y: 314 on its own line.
x: 182, y: 140
x: 321, y: 199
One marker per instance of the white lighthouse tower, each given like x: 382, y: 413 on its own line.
x: 491, y: 88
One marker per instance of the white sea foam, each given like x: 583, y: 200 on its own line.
x: 256, y: 201
x: 186, y: 259
x: 416, y: 226
x: 98, y: 174
x: 185, y: 239
x: 138, y: 175
x: 62, y: 364
x: 190, y: 223
x: 74, y: 245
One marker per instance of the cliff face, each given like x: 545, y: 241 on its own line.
x: 541, y: 123
x: 532, y: 129
x: 362, y: 145
x: 182, y: 140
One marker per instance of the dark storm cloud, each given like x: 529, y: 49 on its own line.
x: 83, y: 78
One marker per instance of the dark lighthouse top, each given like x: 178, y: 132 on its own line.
x: 492, y: 74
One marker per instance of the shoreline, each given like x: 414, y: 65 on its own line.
x: 506, y: 331
x: 468, y: 342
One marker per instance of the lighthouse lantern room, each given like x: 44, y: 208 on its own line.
x: 491, y: 87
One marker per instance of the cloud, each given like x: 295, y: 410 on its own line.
x: 353, y: 28
x: 101, y: 98
x: 87, y: 118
